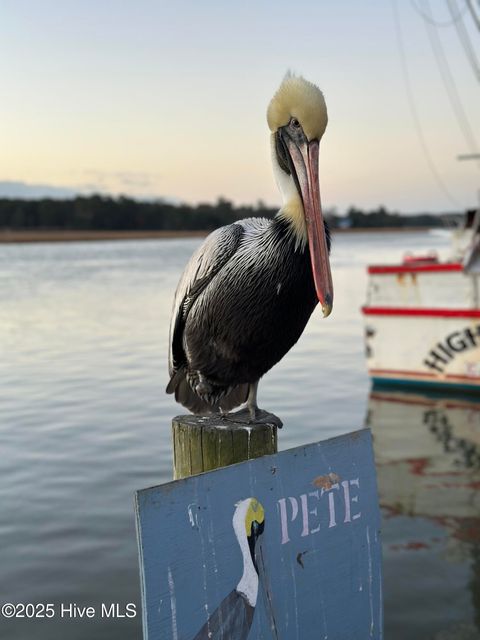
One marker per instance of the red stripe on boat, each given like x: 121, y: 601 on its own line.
x: 415, y: 268
x: 423, y: 374
x: 416, y: 311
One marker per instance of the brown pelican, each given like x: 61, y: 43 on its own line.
x: 233, y: 617
x: 247, y: 293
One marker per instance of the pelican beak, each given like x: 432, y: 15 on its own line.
x: 265, y: 584
x: 304, y: 158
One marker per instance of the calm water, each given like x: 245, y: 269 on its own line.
x: 84, y: 421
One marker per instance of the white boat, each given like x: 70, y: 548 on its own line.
x: 422, y: 317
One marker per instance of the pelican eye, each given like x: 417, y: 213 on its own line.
x: 295, y: 123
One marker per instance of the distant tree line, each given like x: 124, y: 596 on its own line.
x: 124, y: 214
x: 356, y: 218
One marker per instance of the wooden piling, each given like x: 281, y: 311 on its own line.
x: 203, y: 443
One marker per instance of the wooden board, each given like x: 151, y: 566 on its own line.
x: 313, y: 518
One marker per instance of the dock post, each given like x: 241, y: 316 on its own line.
x: 203, y: 443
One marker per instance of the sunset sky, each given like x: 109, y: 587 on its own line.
x: 168, y: 99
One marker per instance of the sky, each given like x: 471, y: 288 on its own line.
x: 168, y: 99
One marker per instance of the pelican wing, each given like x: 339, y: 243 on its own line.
x: 202, y: 267
x: 230, y: 621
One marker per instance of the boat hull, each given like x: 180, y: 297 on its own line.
x: 422, y: 341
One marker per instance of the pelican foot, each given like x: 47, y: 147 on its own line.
x: 244, y: 416
x: 254, y: 412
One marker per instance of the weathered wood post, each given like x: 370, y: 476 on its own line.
x: 203, y: 443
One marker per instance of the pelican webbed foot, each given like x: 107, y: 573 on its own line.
x: 243, y: 417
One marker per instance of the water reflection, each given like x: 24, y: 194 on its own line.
x: 427, y: 449
x: 84, y: 420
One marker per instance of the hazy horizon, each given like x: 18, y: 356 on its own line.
x: 40, y: 192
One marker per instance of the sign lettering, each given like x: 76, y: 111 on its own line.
x: 315, y: 511
x: 455, y: 343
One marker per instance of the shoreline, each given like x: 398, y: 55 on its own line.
x: 73, y: 235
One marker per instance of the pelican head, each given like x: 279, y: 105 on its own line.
x: 248, y: 524
x: 297, y: 117
x: 254, y: 525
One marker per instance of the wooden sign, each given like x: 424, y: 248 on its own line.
x: 284, y: 547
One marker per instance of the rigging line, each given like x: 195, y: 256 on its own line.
x: 465, y: 41
x: 473, y: 13
x: 438, y: 23
x: 450, y: 85
x: 413, y: 110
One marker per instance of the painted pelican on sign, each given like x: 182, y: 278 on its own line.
x: 233, y: 617
x: 247, y: 293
